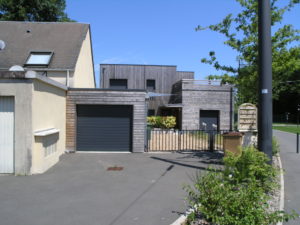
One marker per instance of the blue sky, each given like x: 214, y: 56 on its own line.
x: 158, y: 31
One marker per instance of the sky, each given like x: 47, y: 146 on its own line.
x: 159, y: 32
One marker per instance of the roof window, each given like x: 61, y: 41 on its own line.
x: 39, y: 59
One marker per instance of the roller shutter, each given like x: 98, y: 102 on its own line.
x: 104, y: 128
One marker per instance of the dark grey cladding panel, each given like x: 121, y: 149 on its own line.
x: 185, y: 74
x: 165, y: 77
x: 216, y: 98
x: 104, y: 128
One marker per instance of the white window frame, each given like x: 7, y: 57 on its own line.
x: 46, y: 53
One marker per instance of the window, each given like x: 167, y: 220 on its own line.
x: 151, y: 112
x: 118, y: 83
x: 39, y: 59
x: 150, y: 85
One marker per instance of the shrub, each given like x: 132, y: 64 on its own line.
x: 238, y: 195
x: 251, y: 165
x: 222, y: 202
x: 169, y: 122
x: 165, y: 122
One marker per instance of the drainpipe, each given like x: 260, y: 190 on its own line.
x: 68, y: 78
x: 146, y: 125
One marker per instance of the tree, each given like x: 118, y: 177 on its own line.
x: 241, y: 33
x: 34, y: 10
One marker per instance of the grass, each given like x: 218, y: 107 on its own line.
x: 290, y: 129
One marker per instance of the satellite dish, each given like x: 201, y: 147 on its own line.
x: 16, y: 68
x: 2, y: 45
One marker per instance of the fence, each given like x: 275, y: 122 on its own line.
x: 184, y: 140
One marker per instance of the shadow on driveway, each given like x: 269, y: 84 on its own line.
x: 80, y: 190
x: 207, y: 158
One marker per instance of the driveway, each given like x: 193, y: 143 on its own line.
x: 291, y: 165
x: 79, y: 190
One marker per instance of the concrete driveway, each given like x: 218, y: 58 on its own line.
x: 80, y: 190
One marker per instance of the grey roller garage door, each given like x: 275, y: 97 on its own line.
x: 104, y: 128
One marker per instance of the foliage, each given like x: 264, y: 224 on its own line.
x: 275, y: 146
x: 34, y: 10
x: 238, y: 195
x: 291, y: 129
x: 241, y: 35
x: 251, y: 165
x: 166, y: 122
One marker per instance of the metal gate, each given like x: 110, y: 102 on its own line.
x: 184, y: 140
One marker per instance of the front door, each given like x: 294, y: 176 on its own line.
x: 209, y: 120
x: 6, y: 134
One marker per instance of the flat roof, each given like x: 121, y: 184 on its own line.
x: 118, y: 64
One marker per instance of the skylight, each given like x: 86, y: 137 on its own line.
x: 39, y: 59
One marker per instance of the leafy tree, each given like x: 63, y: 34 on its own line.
x: 33, y: 10
x: 241, y: 34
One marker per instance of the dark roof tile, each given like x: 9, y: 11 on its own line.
x: 64, y: 39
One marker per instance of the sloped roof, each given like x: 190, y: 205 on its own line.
x: 63, y: 39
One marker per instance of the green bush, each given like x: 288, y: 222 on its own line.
x: 165, y: 122
x: 251, y: 166
x: 238, y: 195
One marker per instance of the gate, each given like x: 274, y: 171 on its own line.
x: 184, y: 140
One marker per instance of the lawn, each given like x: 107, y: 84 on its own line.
x: 290, y: 129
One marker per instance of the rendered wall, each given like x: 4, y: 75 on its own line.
x: 84, y: 71
x: 21, y: 90
x: 48, y: 111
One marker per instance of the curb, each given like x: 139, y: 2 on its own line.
x: 182, y: 218
x: 281, y: 200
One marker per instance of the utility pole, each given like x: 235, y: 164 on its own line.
x: 265, y: 112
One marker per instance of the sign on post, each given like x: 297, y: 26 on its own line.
x: 247, y: 117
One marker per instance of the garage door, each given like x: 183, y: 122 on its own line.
x: 6, y: 134
x: 104, y: 128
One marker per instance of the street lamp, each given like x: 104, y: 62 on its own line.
x: 265, y: 113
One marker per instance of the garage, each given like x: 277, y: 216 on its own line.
x: 104, y: 128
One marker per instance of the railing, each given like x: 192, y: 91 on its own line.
x: 202, y: 82
x: 184, y: 140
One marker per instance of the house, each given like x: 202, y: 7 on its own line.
x: 38, y: 63
x: 49, y: 103
x: 176, y: 93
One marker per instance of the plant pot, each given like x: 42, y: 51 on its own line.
x: 232, y: 142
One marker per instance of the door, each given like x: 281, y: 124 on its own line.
x: 104, y: 128
x: 209, y: 120
x: 6, y: 134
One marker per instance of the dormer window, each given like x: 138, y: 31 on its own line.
x: 39, y: 59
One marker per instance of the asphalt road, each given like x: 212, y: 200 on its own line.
x: 80, y: 190
x: 291, y: 164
